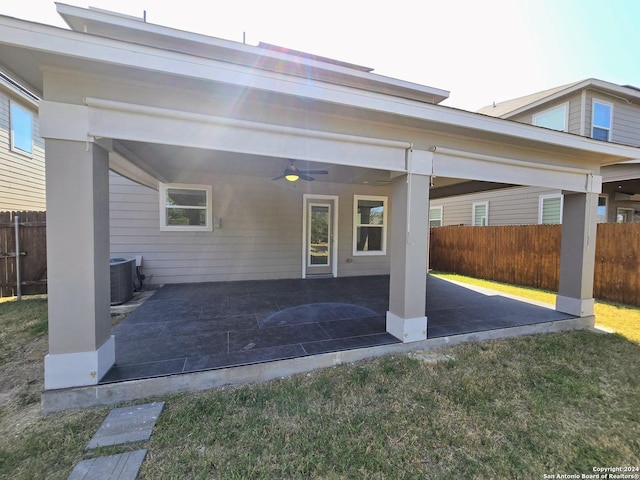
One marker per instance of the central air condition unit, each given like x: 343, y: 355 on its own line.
x: 121, y: 279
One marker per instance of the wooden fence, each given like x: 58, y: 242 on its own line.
x: 529, y: 255
x: 33, y: 253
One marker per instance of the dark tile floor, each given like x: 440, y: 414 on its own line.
x: 191, y: 327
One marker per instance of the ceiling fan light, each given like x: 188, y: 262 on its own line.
x: 292, y: 177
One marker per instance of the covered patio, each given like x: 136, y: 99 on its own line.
x: 176, y: 147
x: 206, y: 326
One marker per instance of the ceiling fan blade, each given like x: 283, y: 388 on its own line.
x: 314, y: 172
x: 306, y: 177
x: 278, y: 178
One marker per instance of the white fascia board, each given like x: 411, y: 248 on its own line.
x: 545, y: 100
x: 16, y: 92
x: 615, y: 89
x: 83, y: 47
x: 472, y: 166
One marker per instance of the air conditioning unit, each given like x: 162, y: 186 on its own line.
x: 122, y: 270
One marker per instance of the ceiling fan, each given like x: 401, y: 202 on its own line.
x: 293, y: 173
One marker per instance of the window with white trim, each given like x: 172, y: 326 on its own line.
x: 601, y: 115
x: 369, y: 225
x: 435, y: 216
x: 185, y: 207
x: 21, y: 121
x: 624, y: 215
x: 554, y: 118
x: 602, y: 209
x: 480, y: 214
x: 550, y: 208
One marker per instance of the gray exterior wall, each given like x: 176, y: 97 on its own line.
x: 22, y: 177
x: 575, y: 107
x: 260, y: 235
x: 625, y: 127
x: 520, y: 205
x: 510, y: 206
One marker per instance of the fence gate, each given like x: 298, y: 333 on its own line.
x: 32, y: 239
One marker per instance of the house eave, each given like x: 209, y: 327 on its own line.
x: 13, y: 86
x: 50, y: 45
x: 626, y: 93
x: 135, y: 30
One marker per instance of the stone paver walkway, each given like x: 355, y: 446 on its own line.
x: 124, y: 466
x: 127, y: 425
x: 122, y: 426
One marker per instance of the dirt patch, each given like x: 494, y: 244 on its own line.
x: 21, y: 384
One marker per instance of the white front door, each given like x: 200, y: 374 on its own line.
x: 320, y: 237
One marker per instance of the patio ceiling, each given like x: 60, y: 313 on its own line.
x: 168, y: 163
x: 625, y: 187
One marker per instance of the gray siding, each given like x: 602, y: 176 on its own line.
x: 575, y: 106
x: 260, y: 235
x: 520, y: 205
x: 510, y: 206
x: 22, y: 177
x: 625, y: 126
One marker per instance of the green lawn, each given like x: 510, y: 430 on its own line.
x: 524, y: 407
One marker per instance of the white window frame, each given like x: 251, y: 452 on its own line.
x: 541, y: 200
x: 14, y: 148
x: 606, y: 210
x: 385, y: 218
x: 185, y: 228
x: 441, y: 219
x: 624, y: 209
x: 564, y: 107
x: 486, y: 212
x: 593, y: 110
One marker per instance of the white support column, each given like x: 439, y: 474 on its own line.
x: 577, y: 254
x: 81, y: 348
x: 406, y: 317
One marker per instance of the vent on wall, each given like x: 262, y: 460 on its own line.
x: 121, y: 279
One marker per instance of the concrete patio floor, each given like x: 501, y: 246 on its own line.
x: 199, y: 327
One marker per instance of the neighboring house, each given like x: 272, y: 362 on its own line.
x: 590, y: 108
x: 22, y: 182
x: 213, y: 146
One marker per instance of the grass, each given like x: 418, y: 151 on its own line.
x: 623, y: 319
x: 513, y: 408
x: 20, y: 323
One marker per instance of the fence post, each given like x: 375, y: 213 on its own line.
x: 18, y: 279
